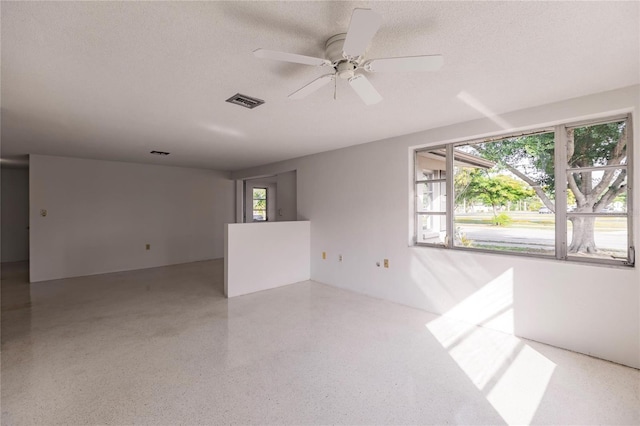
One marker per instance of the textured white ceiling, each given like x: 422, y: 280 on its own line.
x: 115, y: 80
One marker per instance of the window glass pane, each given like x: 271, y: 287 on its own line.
x: 431, y: 164
x: 431, y: 229
x: 606, y: 191
x: 259, y: 204
x: 431, y: 197
x: 598, y: 237
x: 260, y: 193
x: 597, y: 145
x: 504, y: 195
x: 259, y: 215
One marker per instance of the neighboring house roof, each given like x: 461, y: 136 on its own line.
x: 461, y: 158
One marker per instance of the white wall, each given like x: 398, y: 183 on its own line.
x: 15, y: 214
x: 261, y: 256
x: 358, y: 201
x: 286, y: 197
x: 100, y: 215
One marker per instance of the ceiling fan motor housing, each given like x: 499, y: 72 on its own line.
x: 333, y: 48
x: 333, y: 52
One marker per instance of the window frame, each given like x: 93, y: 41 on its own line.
x: 561, y: 214
x: 418, y: 213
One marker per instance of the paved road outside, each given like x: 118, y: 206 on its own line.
x: 536, y: 238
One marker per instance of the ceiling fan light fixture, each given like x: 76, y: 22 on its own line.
x: 345, y: 70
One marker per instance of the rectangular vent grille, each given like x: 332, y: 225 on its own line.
x: 159, y: 153
x: 245, y: 101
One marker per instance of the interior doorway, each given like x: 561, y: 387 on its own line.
x: 14, y: 207
x: 260, y: 199
x: 270, y: 198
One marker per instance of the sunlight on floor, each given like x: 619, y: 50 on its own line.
x: 519, y: 391
x: 511, y: 375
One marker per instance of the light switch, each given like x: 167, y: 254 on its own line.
x: 43, y: 212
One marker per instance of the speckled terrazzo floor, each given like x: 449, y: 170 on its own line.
x: 163, y: 346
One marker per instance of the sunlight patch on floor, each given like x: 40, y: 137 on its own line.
x: 511, y: 375
x: 519, y: 391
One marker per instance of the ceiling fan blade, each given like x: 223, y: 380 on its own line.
x: 406, y: 63
x: 365, y: 89
x: 364, y: 24
x: 313, y: 86
x: 290, y: 57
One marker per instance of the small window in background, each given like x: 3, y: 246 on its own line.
x: 259, y: 204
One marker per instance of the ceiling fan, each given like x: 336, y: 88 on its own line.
x: 344, y: 55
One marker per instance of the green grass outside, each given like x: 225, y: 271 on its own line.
x: 512, y: 248
x: 533, y: 220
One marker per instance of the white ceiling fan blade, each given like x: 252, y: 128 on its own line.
x: 290, y: 57
x: 406, y: 63
x: 364, y: 24
x: 313, y: 86
x: 365, y: 89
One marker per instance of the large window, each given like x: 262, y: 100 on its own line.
x: 559, y: 192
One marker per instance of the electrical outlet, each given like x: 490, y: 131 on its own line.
x: 147, y: 246
x: 386, y: 263
x: 324, y: 255
x: 339, y: 258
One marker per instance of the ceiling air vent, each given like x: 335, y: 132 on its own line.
x: 245, y: 101
x: 159, y: 153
